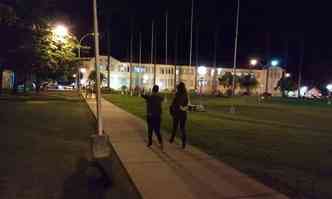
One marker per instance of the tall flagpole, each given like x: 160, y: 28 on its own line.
x: 191, y: 36
x: 131, y: 63
x: 96, y: 36
x: 166, y: 38
x: 140, y: 52
x: 236, y: 46
x: 152, y: 54
x: 176, y: 57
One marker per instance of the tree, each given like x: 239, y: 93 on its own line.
x: 53, y: 56
x: 248, y: 82
x: 226, y: 80
x: 286, y: 84
x: 93, y: 77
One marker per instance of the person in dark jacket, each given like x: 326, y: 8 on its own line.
x: 154, y: 110
x: 178, y: 111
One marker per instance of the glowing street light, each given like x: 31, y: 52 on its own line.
x: 253, y: 62
x: 329, y: 87
x: 60, y: 33
x: 287, y: 75
x: 202, y: 70
x: 274, y: 63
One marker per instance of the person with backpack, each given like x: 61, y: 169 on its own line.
x: 178, y: 110
x: 154, y: 111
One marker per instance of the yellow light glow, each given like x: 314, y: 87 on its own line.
x: 253, y: 62
x: 60, y: 32
x: 82, y: 70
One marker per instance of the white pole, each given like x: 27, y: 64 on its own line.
x: 235, y: 48
x: 140, y: 56
x: 191, y: 31
x: 166, y: 38
x: 152, y: 54
x: 96, y: 34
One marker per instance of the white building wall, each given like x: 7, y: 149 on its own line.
x: 142, y: 76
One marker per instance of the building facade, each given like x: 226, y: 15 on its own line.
x: 7, y: 80
x: 167, y: 76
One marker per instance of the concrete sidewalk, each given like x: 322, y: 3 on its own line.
x: 174, y: 173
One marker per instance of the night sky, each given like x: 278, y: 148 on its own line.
x: 266, y: 27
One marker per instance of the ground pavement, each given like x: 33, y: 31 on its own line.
x: 174, y: 173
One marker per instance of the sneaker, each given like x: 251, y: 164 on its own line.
x: 149, y: 145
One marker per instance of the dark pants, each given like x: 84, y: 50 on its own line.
x: 180, y: 120
x: 154, y: 126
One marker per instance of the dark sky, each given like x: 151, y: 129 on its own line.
x: 265, y: 26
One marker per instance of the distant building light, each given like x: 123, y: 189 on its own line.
x: 202, y: 70
x: 274, y: 63
x: 253, y: 62
x: 303, y: 90
x: 329, y: 87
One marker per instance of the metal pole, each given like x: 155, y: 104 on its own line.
x: 166, y: 38
x: 131, y: 63
x: 96, y: 34
x: 78, y: 68
x: 140, y: 55
x: 235, y: 48
x: 300, y: 68
x: 214, y: 89
x: 108, y: 55
x: 191, y: 35
x: 152, y: 54
x: 175, y: 56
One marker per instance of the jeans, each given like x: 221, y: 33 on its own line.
x: 180, y: 120
x: 154, y: 126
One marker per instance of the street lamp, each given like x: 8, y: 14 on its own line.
x: 79, y: 55
x: 60, y: 33
x: 253, y: 62
x: 287, y: 75
x: 202, y: 70
x: 274, y: 63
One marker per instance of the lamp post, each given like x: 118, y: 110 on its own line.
x: 79, y: 57
x: 235, y: 47
x: 96, y: 37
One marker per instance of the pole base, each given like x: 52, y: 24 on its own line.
x: 100, y: 146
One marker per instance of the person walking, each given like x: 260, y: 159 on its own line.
x: 154, y: 110
x: 178, y: 110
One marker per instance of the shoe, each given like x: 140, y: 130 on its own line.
x: 149, y: 145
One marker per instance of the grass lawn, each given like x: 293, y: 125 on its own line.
x: 285, y: 144
x: 44, y: 146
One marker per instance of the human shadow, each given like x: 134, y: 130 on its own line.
x: 87, y: 182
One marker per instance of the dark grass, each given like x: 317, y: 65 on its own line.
x: 284, y: 144
x: 44, y: 146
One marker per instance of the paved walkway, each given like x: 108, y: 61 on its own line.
x: 174, y: 173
